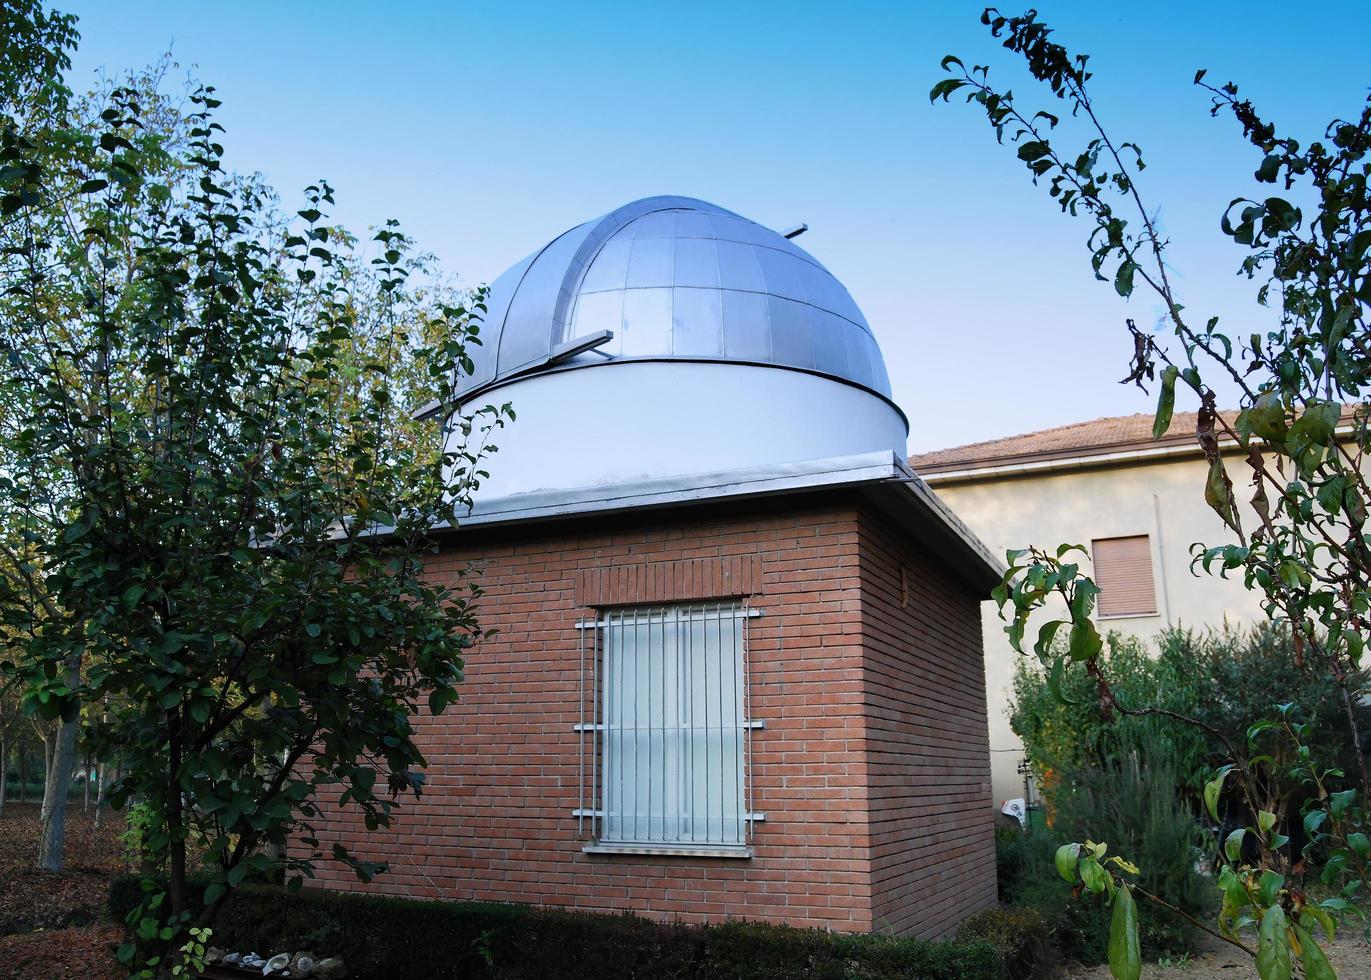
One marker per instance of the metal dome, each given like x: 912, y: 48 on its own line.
x: 672, y: 278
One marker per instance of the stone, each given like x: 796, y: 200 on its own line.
x: 214, y: 955
x: 276, y: 964
x: 302, y: 964
x: 331, y: 968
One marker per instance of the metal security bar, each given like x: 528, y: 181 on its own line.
x: 664, y: 728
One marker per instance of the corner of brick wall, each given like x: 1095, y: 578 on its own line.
x: 930, y: 807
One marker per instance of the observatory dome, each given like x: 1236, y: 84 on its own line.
x: 673, y: 337
x: 672, y: 277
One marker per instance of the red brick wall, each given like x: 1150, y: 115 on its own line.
x: 496, y: 822
x: 928, y: 762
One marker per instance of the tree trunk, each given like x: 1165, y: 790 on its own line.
x: 4, y: 772
x: 85, y: 785
x: 53, y: 839
x: 177, y: 877
x: 102, y: 771
x: 23, y: 776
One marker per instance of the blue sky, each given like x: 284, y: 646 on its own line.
x: 488, y: 128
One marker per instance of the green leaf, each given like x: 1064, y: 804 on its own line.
x: 1085, y: 642
x: 1066, y: 858
x: 1166, y: 402
x: 1045, y: 636
x: 1266, y: 820
x: 1125, y: 956
x: 1123, y: 278
x: 944, y: 89
x: 1054, y: 682
x: 1213, y: 789
x: 1232, y: 847
x: 1340, y: 801
x: 1093, y: 875
x: 1313, y: 959
x: 1273, y: 952
x: 1269, y: 887
x: 214, y: 892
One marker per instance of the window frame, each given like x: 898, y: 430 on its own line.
x: 593, y: 732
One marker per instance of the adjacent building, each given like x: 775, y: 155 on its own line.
x: 1136, y: 503
x: 738, y: 669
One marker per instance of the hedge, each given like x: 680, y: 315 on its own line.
x: 383, y: 937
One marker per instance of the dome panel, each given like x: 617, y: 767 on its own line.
x: 697, y: 322
x: 650, y: 263
x: 674, y: 277
x: 646, y: 322
x: 739, y: 268
x: 693, y: 224
x: 658, y: 224
x: 696, y: 263
x: 747, y: 326
x: 778, y: 270
x: 792, y: 341
x: 610, y: 268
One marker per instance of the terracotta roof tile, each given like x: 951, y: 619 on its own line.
x: 1079, y: 438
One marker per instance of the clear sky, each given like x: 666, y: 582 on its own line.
x: 487, y: 128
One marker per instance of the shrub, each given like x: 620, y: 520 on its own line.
x: 392, y: 937
x: 1135, y: 809
x: 1022, y: 938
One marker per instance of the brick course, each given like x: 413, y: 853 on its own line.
x: 873, y: 768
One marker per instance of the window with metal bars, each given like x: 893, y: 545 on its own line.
x: 665, y: 730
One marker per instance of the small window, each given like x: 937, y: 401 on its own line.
x: 1123, y: 571
x: 667, y: 755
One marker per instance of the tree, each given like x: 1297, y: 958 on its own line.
x: 1302, y: 430
x: 223, y: 504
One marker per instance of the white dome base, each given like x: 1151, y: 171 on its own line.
x: 632, y: 421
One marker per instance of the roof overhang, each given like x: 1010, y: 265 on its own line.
x: 881, y: 478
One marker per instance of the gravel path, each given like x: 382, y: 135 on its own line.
x: 1350, y: 954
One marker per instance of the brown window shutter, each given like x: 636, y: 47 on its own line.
x: 1123, y: 571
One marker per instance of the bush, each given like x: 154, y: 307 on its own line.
x: 1134, y: 808
x: 1078, y: 925
x: 1022, y: 938
x: 393, y: 937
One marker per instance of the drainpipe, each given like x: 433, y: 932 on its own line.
x: 1161, y: 558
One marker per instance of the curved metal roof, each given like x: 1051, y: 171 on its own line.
x: 673, y: 277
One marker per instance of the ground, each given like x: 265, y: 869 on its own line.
x: 38, y: 907
x: 59, y: 954
x: 1350, y: 954
x: 32, y: 899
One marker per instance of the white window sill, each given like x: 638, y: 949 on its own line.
x: 671, y: 850
x: 1138, y: 615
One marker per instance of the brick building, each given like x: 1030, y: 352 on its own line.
x: 738, y: 669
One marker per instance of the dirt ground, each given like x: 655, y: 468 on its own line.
x: 1350, y: 955
x: 31, y: 899
x: 63, y: 954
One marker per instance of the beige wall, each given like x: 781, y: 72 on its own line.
x: 1164, y: 500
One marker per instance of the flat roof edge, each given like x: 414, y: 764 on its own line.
x: 818, y: 474
x: 884, y: 476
